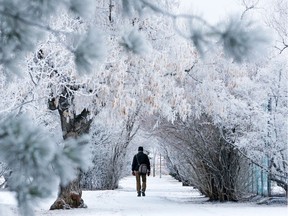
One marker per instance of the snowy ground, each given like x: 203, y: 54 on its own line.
x: 165, y: 197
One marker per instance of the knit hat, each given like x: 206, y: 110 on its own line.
x: 140, y: 148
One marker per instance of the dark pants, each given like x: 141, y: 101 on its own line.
x: 139, y: 186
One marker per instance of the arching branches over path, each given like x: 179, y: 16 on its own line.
x: 200, y: 156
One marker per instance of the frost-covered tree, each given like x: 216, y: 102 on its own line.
x: 226, y: 93
x: 271, y: 76
x: 235, y: 97
x: 247, y: 117
x: 61, y: 44
x: 51, y: 75
x: 273, y: 144
x: 275, y: 18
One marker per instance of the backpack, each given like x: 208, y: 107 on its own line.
x: 142, y: 167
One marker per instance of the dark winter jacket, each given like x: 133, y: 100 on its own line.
x: 142, y: 158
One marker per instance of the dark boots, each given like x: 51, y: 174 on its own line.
x: 139, y: 193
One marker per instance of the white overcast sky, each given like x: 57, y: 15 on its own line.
x: 213, y: 10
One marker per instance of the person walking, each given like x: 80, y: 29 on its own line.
x: 139, y: 159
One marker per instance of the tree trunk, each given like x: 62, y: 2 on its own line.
x: 73, y: 126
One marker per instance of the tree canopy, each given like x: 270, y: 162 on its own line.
x: 122, y: 57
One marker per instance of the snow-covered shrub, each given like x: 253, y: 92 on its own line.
x: 109, y: 150
x: 199, y: 155
x: 99, y: 176
x: 4, y: 174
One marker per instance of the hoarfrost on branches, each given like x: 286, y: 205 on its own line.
x: 23, y: 24
x: 242, y: 39
x: 23, y: 29
x: 135, y: 41
x: 90, y: 50
x: 36, y: 160
x: 233, y: 97
x: 85, y: 8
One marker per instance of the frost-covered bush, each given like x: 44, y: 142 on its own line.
x: 36, y: 161
x: 109, y: 146
x: 99, y: 175
x: 199, y: 155
x: 4, y: 174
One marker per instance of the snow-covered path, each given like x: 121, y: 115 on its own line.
x: 165, y: 196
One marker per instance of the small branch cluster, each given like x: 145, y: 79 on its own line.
x: 239, y: 39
